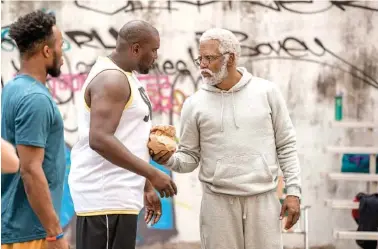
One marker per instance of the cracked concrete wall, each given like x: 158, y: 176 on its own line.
x: 311, y: 50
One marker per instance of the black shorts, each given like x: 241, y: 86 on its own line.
x: 114, y: 231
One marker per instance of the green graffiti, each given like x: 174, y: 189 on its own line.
x: 6, y: 43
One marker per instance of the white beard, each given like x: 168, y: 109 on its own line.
x: 215, y: 78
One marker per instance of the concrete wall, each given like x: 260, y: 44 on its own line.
x: 310, y: 49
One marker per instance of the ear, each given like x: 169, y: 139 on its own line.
x: 231, y: 59
x: 47, y: 51
x: 135, y: 48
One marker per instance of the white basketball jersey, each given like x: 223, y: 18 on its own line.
x: 97, y: 186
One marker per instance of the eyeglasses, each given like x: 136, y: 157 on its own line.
x: 208, y: 58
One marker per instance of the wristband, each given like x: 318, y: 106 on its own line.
x: 54, y: 238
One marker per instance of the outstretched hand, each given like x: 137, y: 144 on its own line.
x: 162, y: 157
x: 152, y: 205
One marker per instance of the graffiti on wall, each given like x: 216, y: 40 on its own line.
x: 294, y: 7
x: 175, y: 77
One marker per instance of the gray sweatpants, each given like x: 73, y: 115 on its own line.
x: 228, y: 222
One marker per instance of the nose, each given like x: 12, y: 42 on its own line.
x: 203, y: 65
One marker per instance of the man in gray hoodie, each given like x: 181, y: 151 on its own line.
x: 237, y: 128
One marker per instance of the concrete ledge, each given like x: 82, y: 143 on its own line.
x: 342, y: 204
x: 354, y: 124
x: 358, y: 177
x: 354, y: 235
x: 352, y: 150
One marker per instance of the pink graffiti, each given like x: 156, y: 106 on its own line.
x: 159, y: 91
x: 159, y: 88
x: 67, y: 82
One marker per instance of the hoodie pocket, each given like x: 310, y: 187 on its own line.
x: 242, y: 171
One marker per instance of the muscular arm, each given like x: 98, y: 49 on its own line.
x: 109, y: 93
x: 285, y: 138
x: 187, y: 157
x: 9, y: 159
x: 36, y: 187
x: 34, y: 117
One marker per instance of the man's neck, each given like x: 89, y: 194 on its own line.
x: 31, y: 68
x: 121, y: 61
x: 231, y: 80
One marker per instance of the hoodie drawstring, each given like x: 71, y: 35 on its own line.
x: 243, y: 203
x: 222, y: 112
x: 233, y: 110
x: 245, y: 207
x: 233, y: 106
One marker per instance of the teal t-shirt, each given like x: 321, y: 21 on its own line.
x: 29, y: 116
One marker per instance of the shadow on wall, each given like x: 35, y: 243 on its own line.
x: 161, y: 232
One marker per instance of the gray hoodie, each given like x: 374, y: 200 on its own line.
x: 239, y: 137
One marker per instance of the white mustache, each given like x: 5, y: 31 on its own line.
x: 207, y: 71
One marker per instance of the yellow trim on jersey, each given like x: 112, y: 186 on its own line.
x: 106, y: 212
x: 86, y: 106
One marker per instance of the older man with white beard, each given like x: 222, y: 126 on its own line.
x: 238, y: 129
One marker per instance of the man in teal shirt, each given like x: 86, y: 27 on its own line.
x: 31, y: 121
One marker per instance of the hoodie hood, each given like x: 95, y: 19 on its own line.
x: 245, y: 79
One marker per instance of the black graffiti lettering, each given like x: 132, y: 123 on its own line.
x: 113, y: 32
x: 199, y: 4
x: 351, y: 4
x: 356, y: 72
x: 370, y: 80
x: 313, y: 7
x: 266, y: 49
x: 76, y: 35
x: 82, y: 38
x: 167, y: 67
x: 292, y: 46
x: 15, y: 67
x: 295, y: 7
x: 319, y: 54
x: 248, y: 51
x: 111, y: 13
x: 296, y: 46
x: 128, y: 7
x: 131, y: 7
x: 95, y: 35
x: 191, y: 56
x: 275, y: 6
x: 181, y: 66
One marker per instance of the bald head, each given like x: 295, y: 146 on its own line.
x: 137, y: 45
x: 136, y: 32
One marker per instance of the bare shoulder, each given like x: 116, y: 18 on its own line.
x: 111, y: 80
x: 109, y: 84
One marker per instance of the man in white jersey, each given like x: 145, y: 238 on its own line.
x: 110, y: 171
x: 238, y: 129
